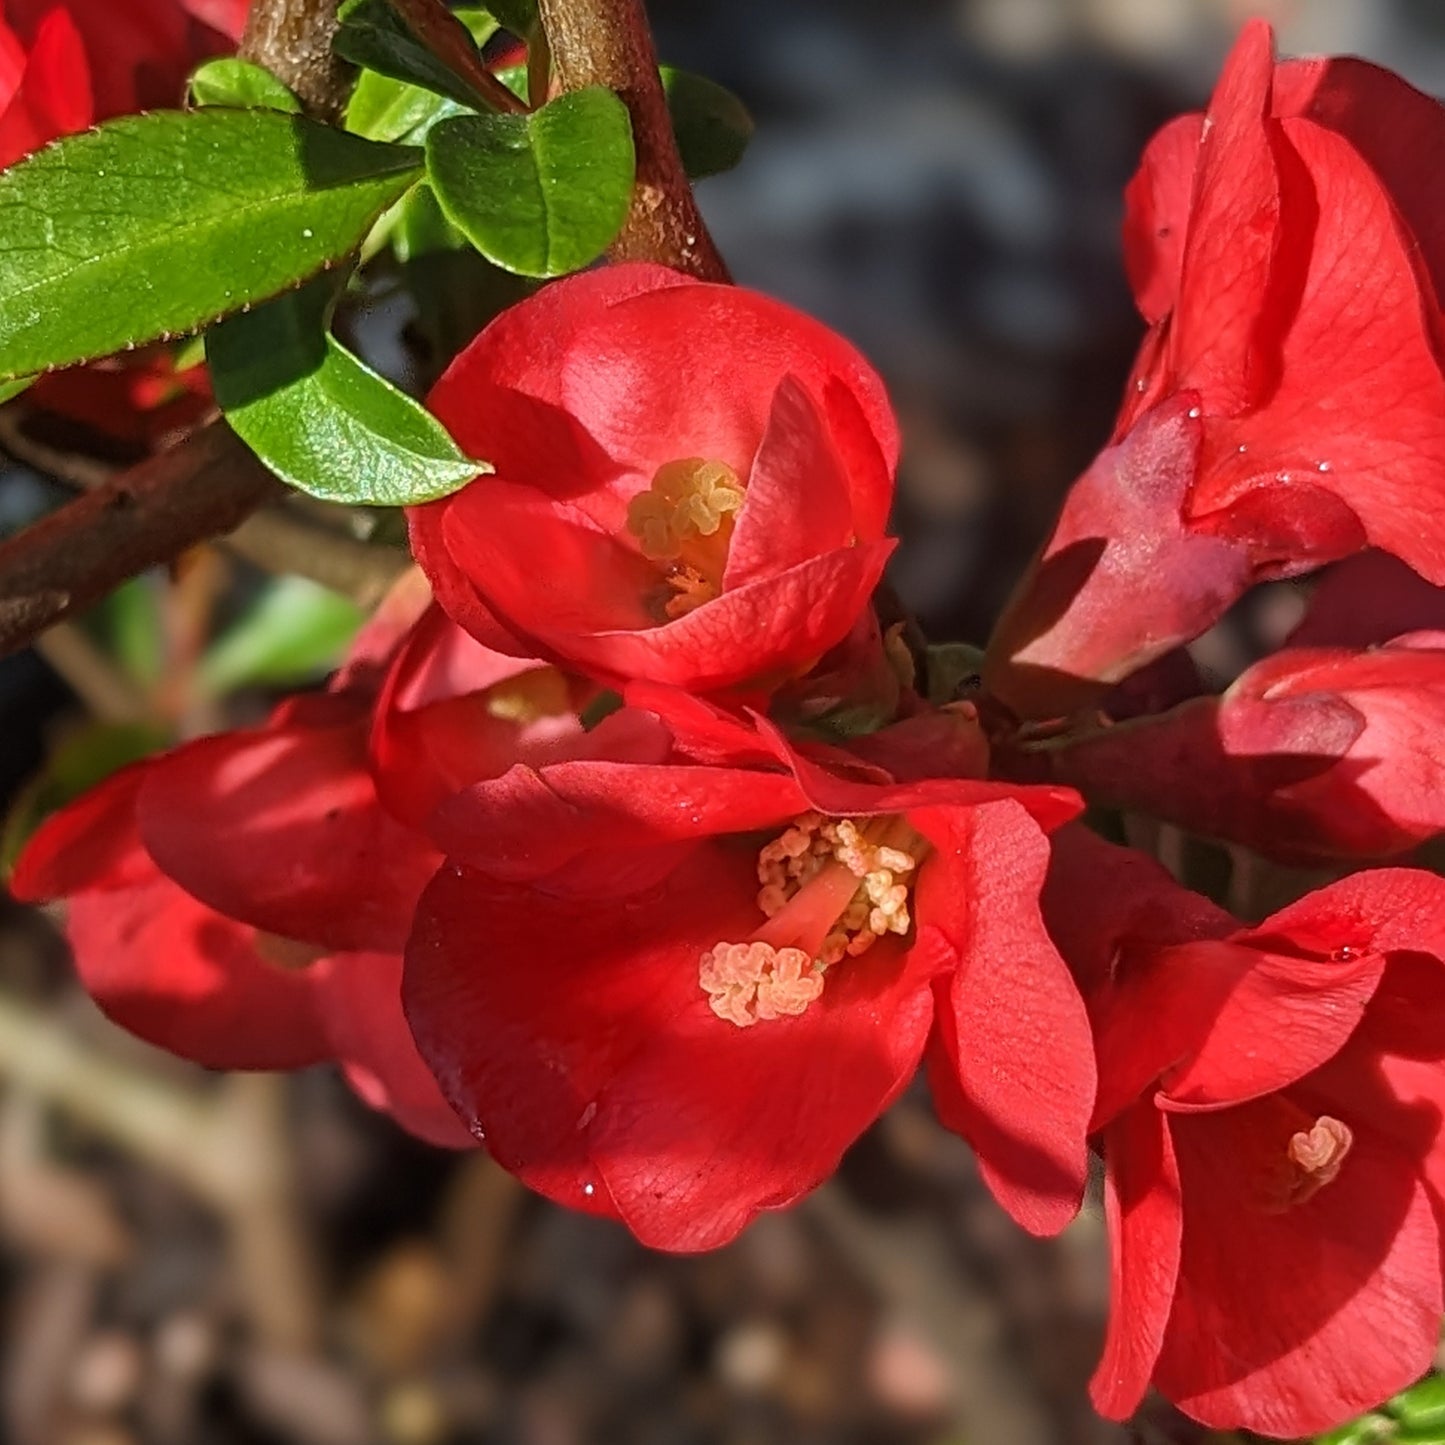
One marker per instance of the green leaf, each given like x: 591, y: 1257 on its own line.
x: 518, y: 16
x: 373, y: 35
x: 711, y: 124
x: 540, y: 194
x: 86, y: 757
x: 390, y: 110
x: 1423, y: 1404
x: 294, y: 633
x: 238, y: 83
x: 320, y: 419
x: 156, y: 225
x: 9, y: 390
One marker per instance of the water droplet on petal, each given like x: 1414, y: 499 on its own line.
x: 589, y: 1190
x: 1195, y: 412
x: 1322, y: 466
x: 1241, y: 448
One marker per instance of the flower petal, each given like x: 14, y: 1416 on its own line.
x: 182, y: 977
x: 360, y: 997
x: 281, y: 827
x: 1142, y: 1208
x: 1290, y: 1321
x: 1012, y: 1062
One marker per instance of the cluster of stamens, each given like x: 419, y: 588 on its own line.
x: 684, y: 520
x: 748, y: 982
x: 880, y: 904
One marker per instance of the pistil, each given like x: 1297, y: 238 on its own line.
x: 830, y: 889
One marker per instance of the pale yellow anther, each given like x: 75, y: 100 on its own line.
x: 1317, y: 1155
x: 688, y: 498
x: 748, y: 982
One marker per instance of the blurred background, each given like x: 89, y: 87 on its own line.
x: 189, y: 1260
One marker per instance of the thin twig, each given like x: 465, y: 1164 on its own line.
x: 446, y: 37
x: 271, y: 539
x: 609, y: 42
x: 108, y: 694
x: 143, y: 517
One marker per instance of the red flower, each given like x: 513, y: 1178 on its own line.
x: 137, y: 54
x: 691, y: 482
x: 1287, y: 407
x: 638, y: 1030
x: 1314, y: 754
x: 44, y: 87
x: 1270, y: 1102
x: 243, y: 900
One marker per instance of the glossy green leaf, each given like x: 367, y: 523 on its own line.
x: 391, y: 110
x: 294, y: 633
x: 319, y: 418
x: 711, y: 124
x: 540, y: 194
x: 238, y: 83
x: 11, y: 389
x: 156, y: 225
x: 387, y: 109
x: 373, y: 35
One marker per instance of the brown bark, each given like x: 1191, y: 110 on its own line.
x: 292, y: 39
x: 609, y: 42
x: 141, y: 519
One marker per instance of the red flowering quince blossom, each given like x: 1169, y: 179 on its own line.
x: 1269, y: 1111
x: 243, y: 900
x: 1314, y: 754
x: 674, y: 992
x: 691, y: 482
x: 1287, y: 407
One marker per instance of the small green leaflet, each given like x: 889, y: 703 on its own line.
x: 373, y: 35
x: 321, y: 420
x: 540, y: 194
x: 238, y: 83
x: 156, y: 225
x: 711, y: 124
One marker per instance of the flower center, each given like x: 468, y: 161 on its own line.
x: 831, y: 887
x: 684, y: 522
x: 1316, y: 1156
